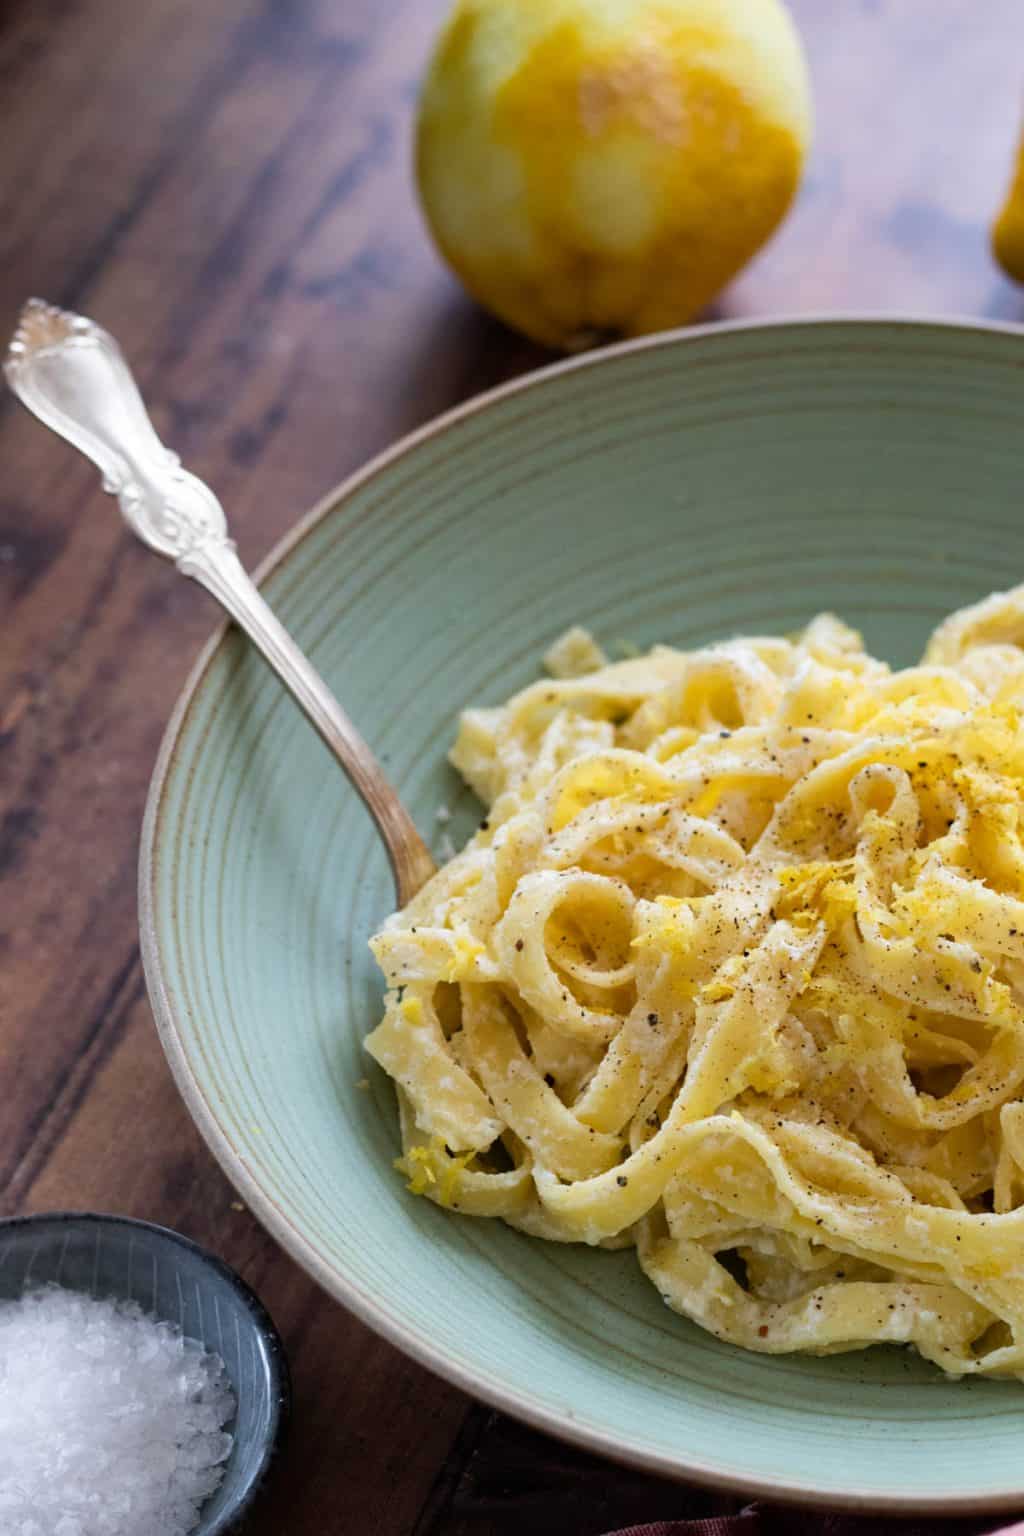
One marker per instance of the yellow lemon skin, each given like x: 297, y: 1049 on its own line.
x: 1008, y: 230
x: 603, y: 167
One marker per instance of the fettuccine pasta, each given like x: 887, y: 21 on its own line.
x: 733, y: 973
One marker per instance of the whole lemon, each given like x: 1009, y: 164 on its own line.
x: 1008, y: 230
x: 603, y: 167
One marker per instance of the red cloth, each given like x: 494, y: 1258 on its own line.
x: 798, y: 1522
x: 746, y: 1524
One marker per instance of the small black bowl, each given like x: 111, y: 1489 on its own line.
x: 178, y: 1282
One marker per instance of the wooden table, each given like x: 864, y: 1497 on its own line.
x: 225, y: 183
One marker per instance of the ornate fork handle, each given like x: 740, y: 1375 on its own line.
x: 72, y: 375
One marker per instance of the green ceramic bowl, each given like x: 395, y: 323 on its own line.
x: 682, y: 489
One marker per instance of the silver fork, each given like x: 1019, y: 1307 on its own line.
x: 72, y: 375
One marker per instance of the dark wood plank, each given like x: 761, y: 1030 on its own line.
x: 226, y: 184
x: 503, y: 1476
x: 918, y: 109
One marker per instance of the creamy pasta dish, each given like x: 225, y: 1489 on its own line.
x: 733, y: 973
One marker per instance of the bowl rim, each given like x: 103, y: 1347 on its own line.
x: 276, y: 1220
x: 274, y: 1351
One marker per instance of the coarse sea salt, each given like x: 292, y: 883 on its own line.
x: 111, y: 1423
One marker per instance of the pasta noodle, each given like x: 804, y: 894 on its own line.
x: 733, y: 973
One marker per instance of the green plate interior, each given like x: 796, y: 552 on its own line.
x: 734, y: 480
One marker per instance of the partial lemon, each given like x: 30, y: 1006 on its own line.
x: 1008, y: 230
x: 604, y: 167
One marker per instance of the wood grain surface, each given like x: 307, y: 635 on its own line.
x: 226, y: 185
